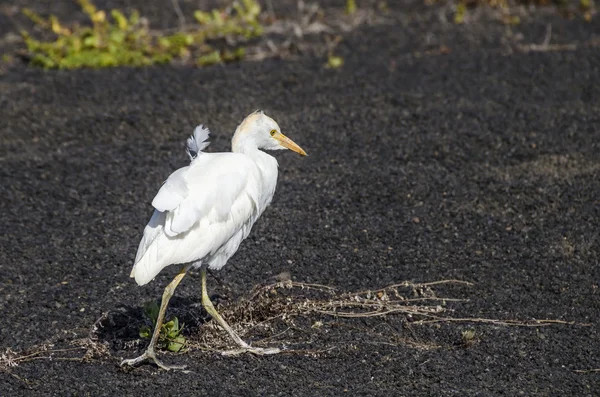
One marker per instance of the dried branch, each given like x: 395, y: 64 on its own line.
x: 586, y: 371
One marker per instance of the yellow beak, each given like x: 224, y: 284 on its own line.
x: 288, y: 143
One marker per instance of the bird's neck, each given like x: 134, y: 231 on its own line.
x: 262, y: 159
x: 267, y: 165
x: 243, y: 143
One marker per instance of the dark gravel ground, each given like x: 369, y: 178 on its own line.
x: 477, y: 163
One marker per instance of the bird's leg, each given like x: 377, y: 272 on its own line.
x: 244, y: 347
x: 150, y: 354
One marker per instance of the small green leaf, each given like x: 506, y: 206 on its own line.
x: 35, y: 18
x: 176, y: 344
x: 120, y: 19
x: 237, y: 54
x: 335, y: 62
x: 350, y: 7
x: 91, y: 41
x: 461, y: 13
x: 202, y: 17
x: 43, y: 61
x: 134, y: 18
x: 210, y: 59
x: 217, y: 18
x: 117, y: 36
x: 169, y: 325
x: 145, y: 332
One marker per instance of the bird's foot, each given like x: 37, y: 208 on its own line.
x: 253, y: 350
x: 150, y: 355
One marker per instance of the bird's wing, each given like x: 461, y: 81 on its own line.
x: 173, y: 191
x: 205, y: 190
x: 198, y: 209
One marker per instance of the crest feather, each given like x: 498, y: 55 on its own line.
x: 198, y: 141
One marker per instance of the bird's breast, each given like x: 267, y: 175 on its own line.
x: 267, y: 167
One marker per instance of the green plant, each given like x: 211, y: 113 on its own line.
x: 350, y: 7
x: 468, y: 337
x: 170, y: 337
x: 115, y: 39
x: 334, y: 62
x: 221, y: 57
x: 461, y: 12
x: 243, y: 21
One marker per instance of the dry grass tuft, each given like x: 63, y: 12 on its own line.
x: 294, y: 308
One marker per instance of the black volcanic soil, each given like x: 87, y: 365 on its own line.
x: 438, y: 152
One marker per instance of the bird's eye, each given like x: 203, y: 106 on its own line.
x: 273, y: 132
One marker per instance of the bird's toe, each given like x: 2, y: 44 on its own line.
x: 169, y: 367
x: 134, y: 362
x: 150, y: 355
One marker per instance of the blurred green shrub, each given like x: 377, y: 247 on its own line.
x: 120, y: 40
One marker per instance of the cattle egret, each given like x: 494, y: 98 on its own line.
x: 204, y: 211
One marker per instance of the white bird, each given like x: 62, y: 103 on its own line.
x: 203, y: 212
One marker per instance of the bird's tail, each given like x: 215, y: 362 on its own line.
x: 198, y: 141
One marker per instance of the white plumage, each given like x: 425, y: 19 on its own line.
x: 205, y: 210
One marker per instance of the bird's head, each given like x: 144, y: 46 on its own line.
x: 263, y: 132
